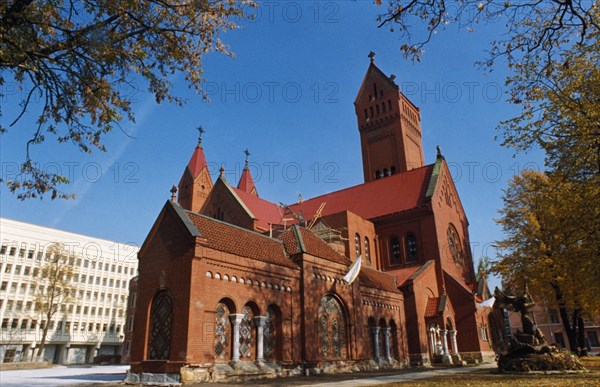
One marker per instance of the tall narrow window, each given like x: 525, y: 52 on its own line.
x: 222, y: 332
x: 271, y: 333
x: 367, y: 251
x: 394, y: 250
x: 357, y: 244
x: 332, y: 329
x: 247, y: 334
x: 411, y: 248
x: 160, y: 334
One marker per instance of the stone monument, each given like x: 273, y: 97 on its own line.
x: 528, y: 350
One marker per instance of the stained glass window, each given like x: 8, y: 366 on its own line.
x: 332, y: 329
x: 247, y: 330
x: 160, y: 335
x: 270, y: 335
x: 222, y: 332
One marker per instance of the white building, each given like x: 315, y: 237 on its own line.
x: 91, y: 326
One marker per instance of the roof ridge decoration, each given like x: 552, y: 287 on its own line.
x: 182, y: 213
x: 298, y: 237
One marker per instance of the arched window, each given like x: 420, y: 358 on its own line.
x: 366, y: 114
x: 357, y: 241
x: 367, y: 250
x: 383, y: 106
x: 247, y: 334
x: 272, y: 333
x: 332, y: 329
x: 394, y: 339
x: 394, y: 250
x: 411, y: 248
x: 222, y: 332
x: 377, y: 108
x: 390, y: 104
x: 161, y: 315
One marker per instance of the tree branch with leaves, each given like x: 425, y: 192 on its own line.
x: 80, y: 58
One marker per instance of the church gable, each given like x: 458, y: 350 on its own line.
x: 173, y: 224
x: 223, y: 204
x: 442, y: 190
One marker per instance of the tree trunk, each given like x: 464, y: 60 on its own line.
x: 581, y: 336
x: 43, y: 342
x: 44, y: 334
x: 564, y: 316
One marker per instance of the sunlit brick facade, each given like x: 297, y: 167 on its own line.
x: 232, y: 284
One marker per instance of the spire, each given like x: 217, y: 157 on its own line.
x: 196, y: 183
x: 246, y: 182
x: 198, y: 161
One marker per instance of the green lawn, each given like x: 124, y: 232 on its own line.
x: 491, y: 378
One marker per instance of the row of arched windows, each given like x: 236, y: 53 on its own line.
x: 410, y: 243
x: 247, y: 335
x: 385, y: 172
x: 358, y: 247
x: 384, y: 339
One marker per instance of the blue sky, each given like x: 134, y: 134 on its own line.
x: 288, y: 97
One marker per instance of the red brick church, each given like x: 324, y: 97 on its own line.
x: 229, y: 286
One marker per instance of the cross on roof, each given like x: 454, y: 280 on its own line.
x: 247, y: 153
x: 372, y: 56
x: 200, y: 130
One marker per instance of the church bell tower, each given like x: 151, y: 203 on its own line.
x: 389, y: 126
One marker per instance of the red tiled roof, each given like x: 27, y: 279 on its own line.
x: 235, y: 240
x: 246, y: 182
x: 197, y: 162
x: 433, y: 304
x: 402, y: 275
x: 377, y: 279
x: 300, y: 240
x: 396, y: 193
x: 264, y: 211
